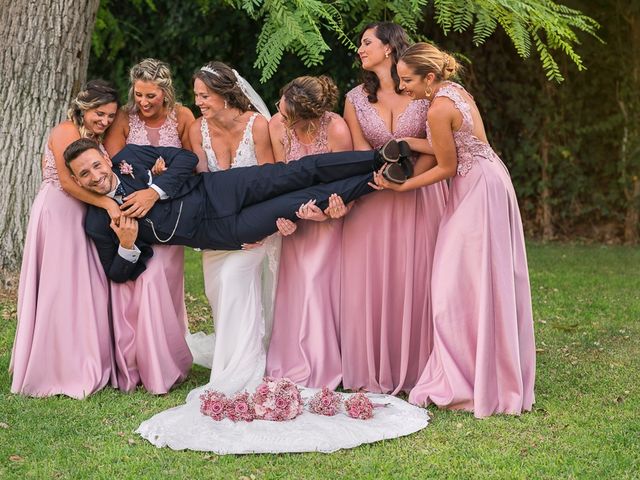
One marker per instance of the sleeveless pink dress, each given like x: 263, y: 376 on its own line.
x: 483, y: 356
x: 388, y: 241
x: 149, y: 314
x: 63, y: 338
x: 304, y: 343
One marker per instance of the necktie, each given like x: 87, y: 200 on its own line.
x: 119, y: 194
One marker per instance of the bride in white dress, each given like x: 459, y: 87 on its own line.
x: 231, y: 134
x: 240, y: 286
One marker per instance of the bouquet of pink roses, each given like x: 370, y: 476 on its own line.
x: 325, y: 402
x: 277, y: 400
x: 213, y: 404
x: 359, y: 406
x: 241, y: 407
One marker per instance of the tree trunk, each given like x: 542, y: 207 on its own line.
x: 44, y: 61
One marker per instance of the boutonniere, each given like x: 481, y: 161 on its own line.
x: 126, y: 169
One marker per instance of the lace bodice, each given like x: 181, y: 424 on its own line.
x: 245, y: 154
x: 411, y: 122
x: 166, y: 135
x: 49, y: 170
x: 295, y: 149
x: 468, y: 146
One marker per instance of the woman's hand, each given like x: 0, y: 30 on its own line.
x: 285, y: 226
x: 114, y: 212
x: 309, y: 211
x: 159, y: 167
x: 138, y: 204
x: 336, y: 208
x: 381, y: 183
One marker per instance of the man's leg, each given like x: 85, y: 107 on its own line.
x: 237, y: 188
x: 258, y: 221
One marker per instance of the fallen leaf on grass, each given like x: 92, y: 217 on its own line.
x: 3, y: 425
x: 16, y: 458
x: 539, y: 350
x: 131, y: 441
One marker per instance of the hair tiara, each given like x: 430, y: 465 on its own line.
x: 209, y: 70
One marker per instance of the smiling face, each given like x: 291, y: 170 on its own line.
x: 372, y: 51
x: 207, y: 101
x: 149, y: 99
x: 413, y: 84
x: 92, y: 171
x: 97, y: 120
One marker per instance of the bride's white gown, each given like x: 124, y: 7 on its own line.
x: 240, y: 286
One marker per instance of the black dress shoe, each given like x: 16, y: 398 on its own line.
x: 390, y: 151
x: 399, y: 172
x: 405, y: 150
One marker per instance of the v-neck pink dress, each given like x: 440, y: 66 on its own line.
x: 484, y: 355
x: 149, y: 314
x: 304, y: 344
x: 388, y: 241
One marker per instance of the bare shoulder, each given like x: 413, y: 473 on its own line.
x: 195, y: 131
x: 276, y: 127
x: 63, y: 134
x: 260, y: 125
x: 338, y: 126
x: 441, y: 108
x: 184, y: 116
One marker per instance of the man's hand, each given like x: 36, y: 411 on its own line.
x: 159, y: 167
x: 285, y: 226
x: 138, y: 204
x: 127, y: 231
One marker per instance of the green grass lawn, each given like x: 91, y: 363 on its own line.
x: 585, y: 424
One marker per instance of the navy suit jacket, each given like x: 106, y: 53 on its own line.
x: 178, y: 181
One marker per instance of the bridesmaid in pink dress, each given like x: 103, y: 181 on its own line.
x: 304, y: 343
x: 388, y: 238
x: 149, y: 314
x: 483, y: 358
x: 63, y: 340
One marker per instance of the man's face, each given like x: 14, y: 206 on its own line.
x: 92, y: 171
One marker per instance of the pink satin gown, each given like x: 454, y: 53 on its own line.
x: 483, y: 358
x: 387, y: 253
x: 149, y: 313
x: 63, y: 337
x: 304, y: 343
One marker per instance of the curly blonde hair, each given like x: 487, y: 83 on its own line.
x: 156, y: 72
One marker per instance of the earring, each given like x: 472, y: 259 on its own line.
x: 386, y: 54
x: 225, y: 104
x: 428, y: 91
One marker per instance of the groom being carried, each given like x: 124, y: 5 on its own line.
x: 217, y: 210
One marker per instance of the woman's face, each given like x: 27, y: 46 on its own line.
x: 411, y: 83
x: 149, y: 98
x: 372, y: 51
x: 207, y: 101
x: 97, y: 120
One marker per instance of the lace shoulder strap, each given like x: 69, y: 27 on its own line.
x: 452, y: 91
x: 212, y: 161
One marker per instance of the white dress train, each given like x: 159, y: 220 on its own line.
x: 240, y: 286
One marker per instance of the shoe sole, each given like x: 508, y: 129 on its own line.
x: 390, y: 151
